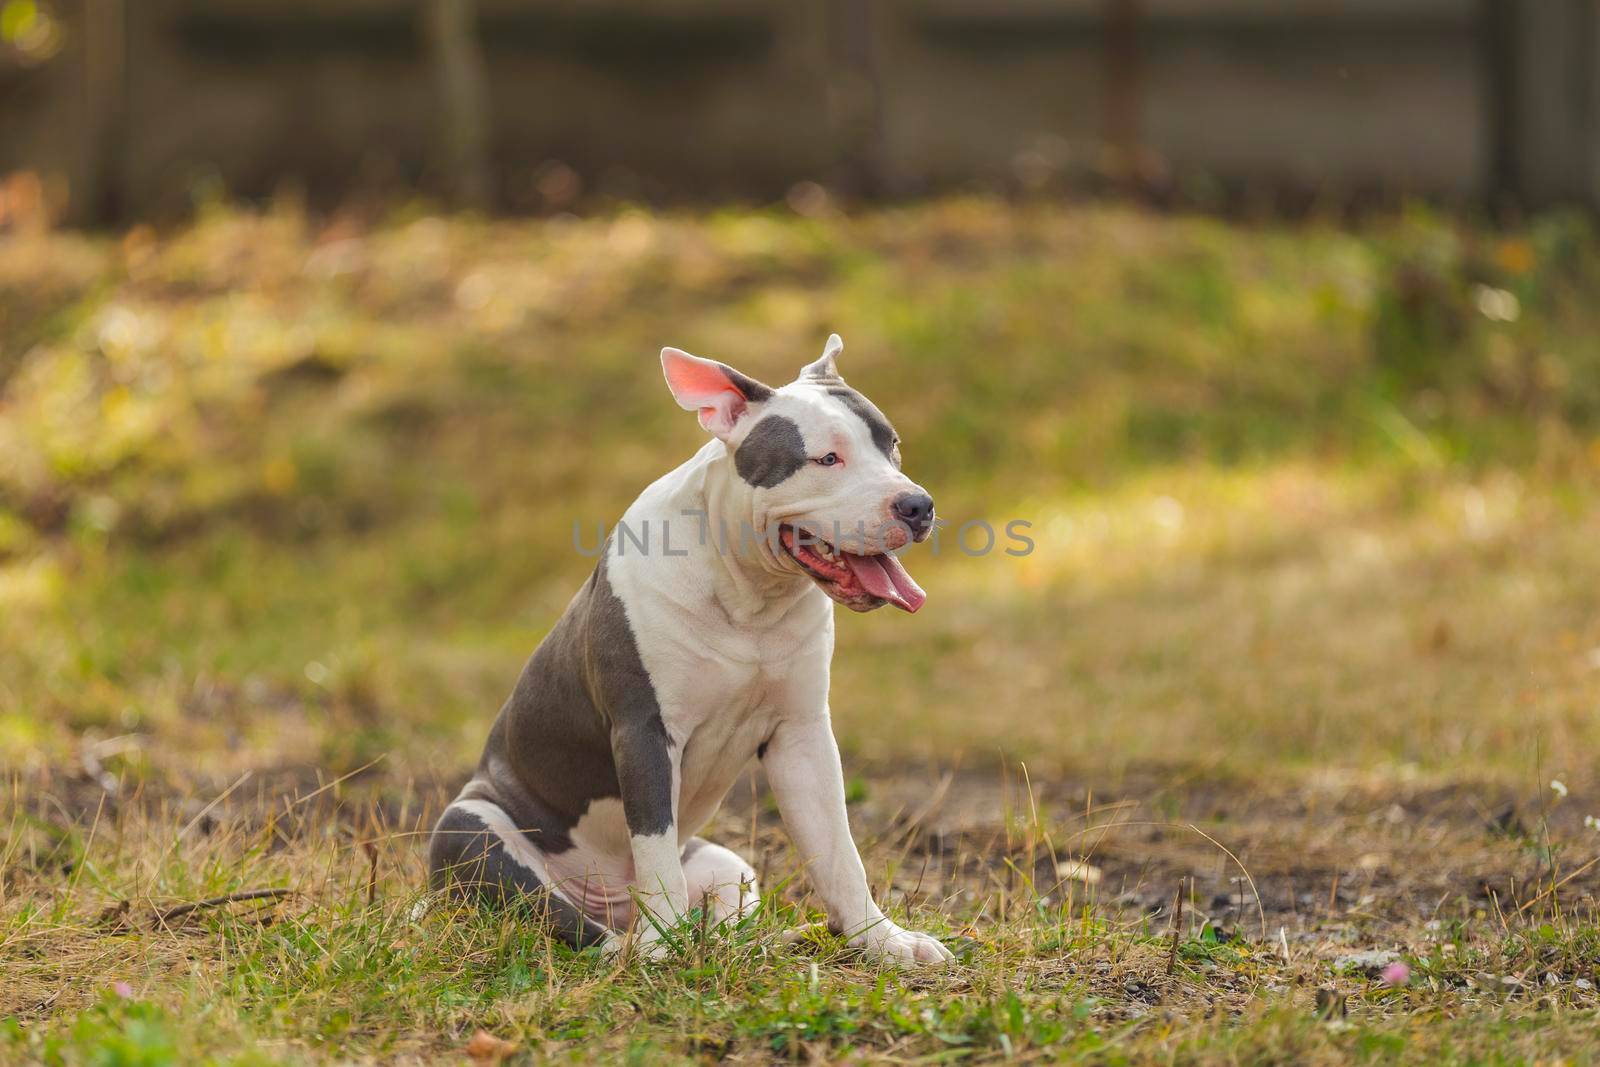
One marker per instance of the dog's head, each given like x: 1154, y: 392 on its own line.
x: 827, y: 495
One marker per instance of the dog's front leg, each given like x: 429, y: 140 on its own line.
x: 647, y: 773
x: 802, y: 764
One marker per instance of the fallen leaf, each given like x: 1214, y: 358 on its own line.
x: 486, y: 1048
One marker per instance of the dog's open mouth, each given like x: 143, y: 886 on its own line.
x: 859, y: 582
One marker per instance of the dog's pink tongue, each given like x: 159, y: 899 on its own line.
x: 886, y: 577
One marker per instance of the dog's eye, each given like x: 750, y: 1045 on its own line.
x: 829, y: 460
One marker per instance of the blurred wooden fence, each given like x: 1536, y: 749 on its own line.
x: 526, y: 104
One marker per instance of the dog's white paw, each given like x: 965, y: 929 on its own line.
x: 644, y: 945
x: 653, y: 948
x: 897, y: 945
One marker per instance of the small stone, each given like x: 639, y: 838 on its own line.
x: 1079, y: 871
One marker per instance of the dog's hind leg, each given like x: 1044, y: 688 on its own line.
x: 477, y: 850
x: 717, y: 875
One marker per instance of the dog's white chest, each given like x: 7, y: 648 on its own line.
x: 715, y: 754
x: 718, y: 737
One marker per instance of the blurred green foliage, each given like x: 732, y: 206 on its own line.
x: 331, y: 467
x: 254, y: 369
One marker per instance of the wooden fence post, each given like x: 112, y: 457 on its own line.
x: 1542, y: 71
x: 1120, y: 122
x: 451, y: 30
x: 97, y: 197
x: 855, y: 84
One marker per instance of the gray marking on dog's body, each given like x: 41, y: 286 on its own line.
x: 467, y: 857
x: 582, y: 718
x: 772, y: 451
x: 883, y: 434
x: 691, y: 846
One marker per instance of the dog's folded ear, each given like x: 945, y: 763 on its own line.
x: 719, y: 393
x: 826, y: 368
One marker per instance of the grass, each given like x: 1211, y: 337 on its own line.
x: 285, y: 502
x: 354, y: 964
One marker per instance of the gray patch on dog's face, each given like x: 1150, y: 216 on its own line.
x: 883, y: 435
x: 772, y: 451
x: 584, y: 703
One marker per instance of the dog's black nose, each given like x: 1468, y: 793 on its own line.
x: 915, y: 510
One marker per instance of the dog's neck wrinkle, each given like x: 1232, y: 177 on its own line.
x: 757, y: 585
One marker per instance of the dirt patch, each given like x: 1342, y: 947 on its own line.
x: 1296, y: 857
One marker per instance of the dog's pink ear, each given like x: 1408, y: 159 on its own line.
x: 719, y: 393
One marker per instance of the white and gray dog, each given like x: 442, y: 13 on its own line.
x: 681, y: 659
